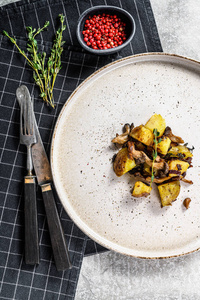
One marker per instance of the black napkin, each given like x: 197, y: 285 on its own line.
x: 17, y: 280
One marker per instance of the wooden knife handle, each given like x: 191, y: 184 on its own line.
x: 31, y: 226
x: 59, y: 246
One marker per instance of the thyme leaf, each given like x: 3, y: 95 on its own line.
x: 156, y: 133
x: 45, y: 70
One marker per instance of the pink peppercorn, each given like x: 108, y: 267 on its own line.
x: 104, y: 31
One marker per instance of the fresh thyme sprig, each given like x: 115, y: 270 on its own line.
x: 44, y: 70
x: 156, y: 141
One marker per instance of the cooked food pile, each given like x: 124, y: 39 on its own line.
x: 153, y: 154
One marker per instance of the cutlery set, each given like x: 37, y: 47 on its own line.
x: 37, y: 160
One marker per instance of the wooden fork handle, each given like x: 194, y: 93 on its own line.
x: 58, y: 242
x: 31, y: 226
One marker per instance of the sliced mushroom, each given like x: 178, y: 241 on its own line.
x: 186, y: 180
x: 124, y: 137
x: 172, y: 137
x: 166, y: 168
x: 141, y: 177
x: 162, y: 173
x: 141, y: 156
x: 139, y: 146
x: 157, y: 165
x: 186, y: 202
x: 161, y: 180
x: 133, y: 153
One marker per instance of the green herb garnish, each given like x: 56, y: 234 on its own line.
x: 44, y: 70
x: 154, y: 153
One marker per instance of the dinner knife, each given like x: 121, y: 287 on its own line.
x: 44, y: 178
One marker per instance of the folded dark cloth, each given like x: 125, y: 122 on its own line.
x: 17, y: 280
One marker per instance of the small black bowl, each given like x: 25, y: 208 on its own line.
x: 112, y: 10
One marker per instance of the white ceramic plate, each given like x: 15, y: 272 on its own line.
x: 126, y: 91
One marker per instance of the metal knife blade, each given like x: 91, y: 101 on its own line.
x: 44, y: 177
x: 40, y: 161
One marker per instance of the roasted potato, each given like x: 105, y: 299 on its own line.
x: 180, y: 150
x: 122, y: 163
x: 142, y: 134
x: 156, y: 122
x: 141, y: 189
x: 164, y: 145
x: 169, y: 192
x: 177, y: 167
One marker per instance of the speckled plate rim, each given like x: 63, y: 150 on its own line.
x: 151, y: 56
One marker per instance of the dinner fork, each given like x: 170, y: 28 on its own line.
x: 28, y: 138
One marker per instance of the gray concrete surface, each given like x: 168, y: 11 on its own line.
x: 111, y: 276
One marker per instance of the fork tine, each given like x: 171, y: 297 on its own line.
x: 21, y: 120
x: 29, y: 116
x: 27, y: 123
x: 32, y: 117
x: 31, y: 120
x: 25, y: 116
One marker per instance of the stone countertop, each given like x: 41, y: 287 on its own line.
x: 112, y: 276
